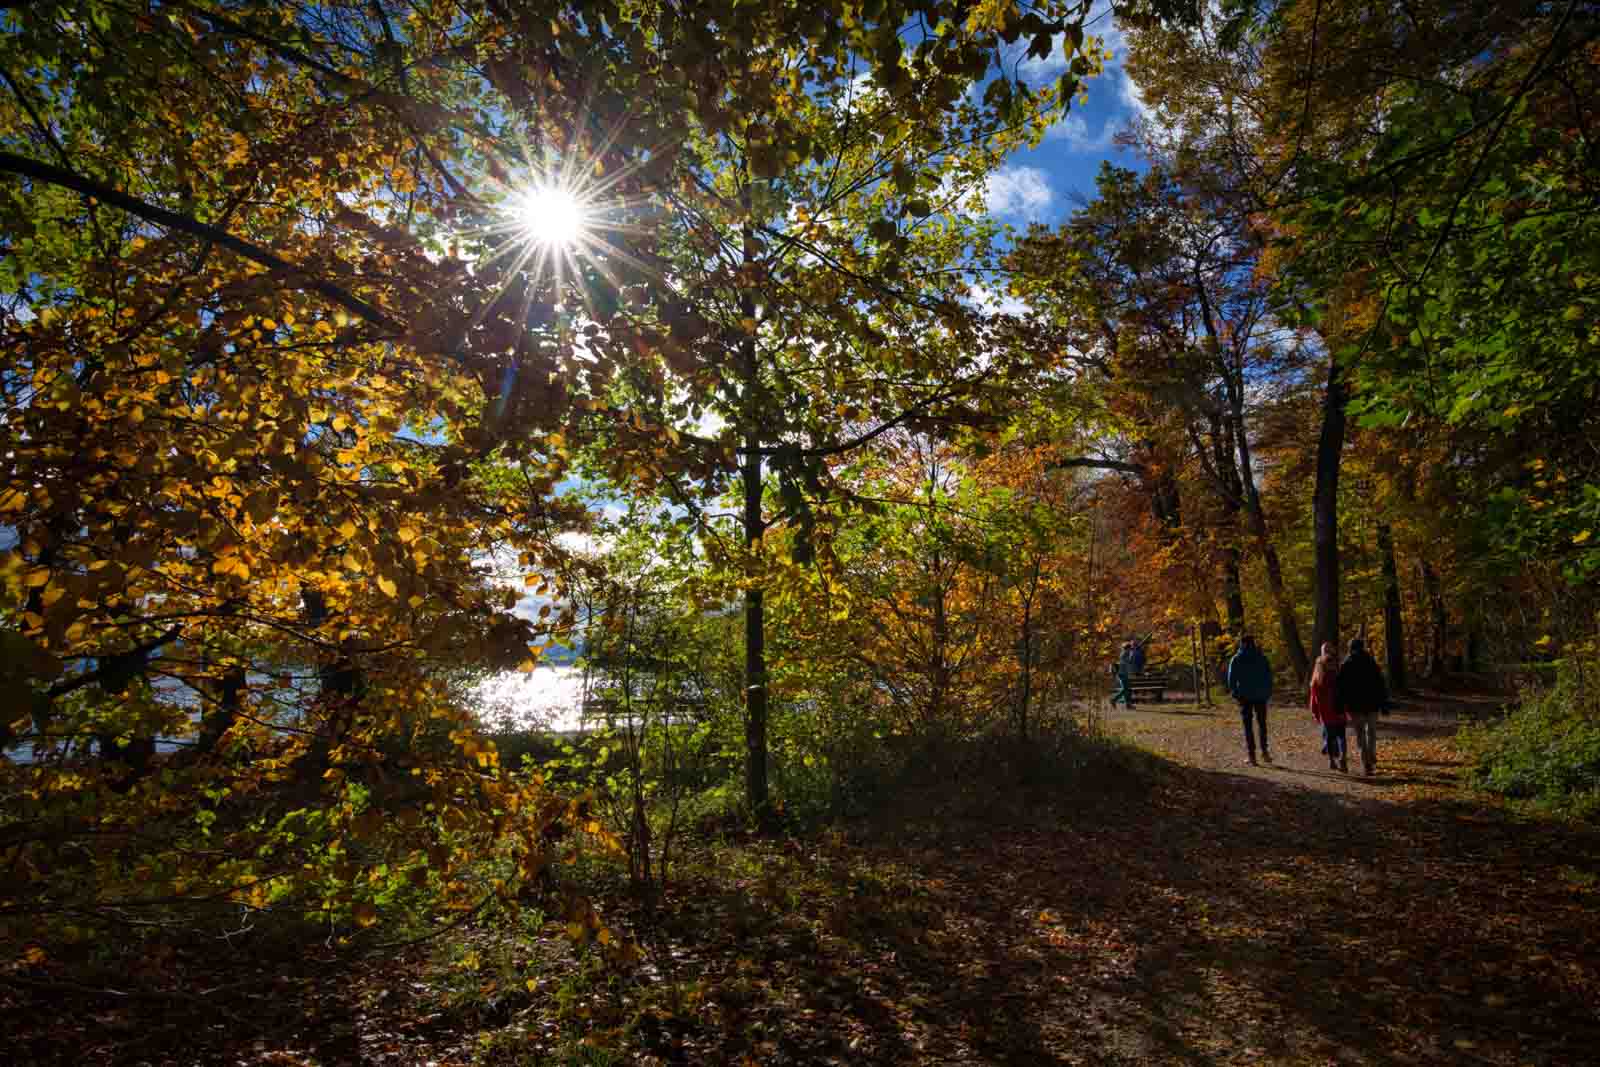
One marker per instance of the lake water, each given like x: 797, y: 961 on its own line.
x: 549, y: 698
x: 546, y: 697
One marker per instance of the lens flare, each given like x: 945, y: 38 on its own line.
x: 550, y: 215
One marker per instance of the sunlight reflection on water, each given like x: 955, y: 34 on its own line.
x: 548, y: 697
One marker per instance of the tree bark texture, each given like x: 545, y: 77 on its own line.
x: 1437, y: 632
x: 1288, y: 626
x: 1325, y: 512
x: 757, y: 793
x: 1394, y: 640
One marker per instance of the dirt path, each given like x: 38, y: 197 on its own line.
x: 1212, y: 738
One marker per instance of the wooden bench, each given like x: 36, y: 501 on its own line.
x: 1151, y: 685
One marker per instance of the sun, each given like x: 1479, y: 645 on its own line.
x: 550, y: 215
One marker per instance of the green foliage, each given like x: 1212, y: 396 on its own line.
x: 1547, y: 749
x: 1471, y: 223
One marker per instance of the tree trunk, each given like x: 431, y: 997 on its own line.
x: 1025, y: 652
x: 1437, y: 632
x: 1325, y: 512
x: 1288, y: 627
x: 1230, y: 492
x: 939, y: 665
x: 1233, y: 589
x: 1394, y: 643
x: 219, y: 719
x: 755, y: 634
x: 757, y: 794
x: 755, y: 648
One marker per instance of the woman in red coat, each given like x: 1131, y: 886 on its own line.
x: 1325, y: 707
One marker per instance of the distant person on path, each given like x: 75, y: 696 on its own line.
x: 1250, y: 682
x: 1325, y: 707
x: 1362, y: 694
x: 1138, y: 656
x: 1124, y: 671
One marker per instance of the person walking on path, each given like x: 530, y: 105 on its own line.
x: 1124, y: 670
x: 1362, y: 694
x: 1250, y: 682
x: 1325, y: 707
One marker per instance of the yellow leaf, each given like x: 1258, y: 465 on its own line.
x: 1580, y: 538
x: 364, y: 914
x: 34, y: 954
x: 407, y: 534
x: 36, y: 578
x: 347, y: 529
x: 388, y: 586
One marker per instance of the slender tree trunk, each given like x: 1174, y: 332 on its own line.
x: 1229, y: 492
x: 1437, y: 632
x: 1288, y: 627
x: 219, y: 719
x: 1233, y: 588
x: 1325, y: 512
x: 1394, y: 642
x: 755, y: 644
x: 939, y: 667
x: 1026, y: 653
x: 755, y: 647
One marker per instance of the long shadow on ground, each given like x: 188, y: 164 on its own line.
x: 1225, y: 919
x: 1213, y: 917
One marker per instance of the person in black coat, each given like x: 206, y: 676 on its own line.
x: 1361, y: 693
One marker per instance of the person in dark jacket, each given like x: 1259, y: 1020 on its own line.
x: 1250, y: 682
x: 1124, y: 671
x: 1362, y: 694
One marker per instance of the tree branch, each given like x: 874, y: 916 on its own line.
x: 53, y: 175
x: 1095, y: 463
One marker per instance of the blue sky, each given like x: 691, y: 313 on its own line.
x: 1039, y: 185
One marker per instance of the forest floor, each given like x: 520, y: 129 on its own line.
x: 1205, y: 913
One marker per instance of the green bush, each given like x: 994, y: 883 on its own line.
x: 1547, y: 749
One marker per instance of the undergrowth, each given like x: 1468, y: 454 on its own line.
x: 1546, y: 751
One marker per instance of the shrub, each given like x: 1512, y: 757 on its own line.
x: 1547, y: 749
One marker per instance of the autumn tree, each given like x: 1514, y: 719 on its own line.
x: 810, y: 286
x: 281, y: 368
x: 1453, y: 187
x: 1156, y: 278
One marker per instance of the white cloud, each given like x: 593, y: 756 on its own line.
x: 1074, y: 130
x: 1102, y: 23
x: 1042, y: 71
x: 1018, y: 190
x: 1128, y: 92
x: 986, y: 299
